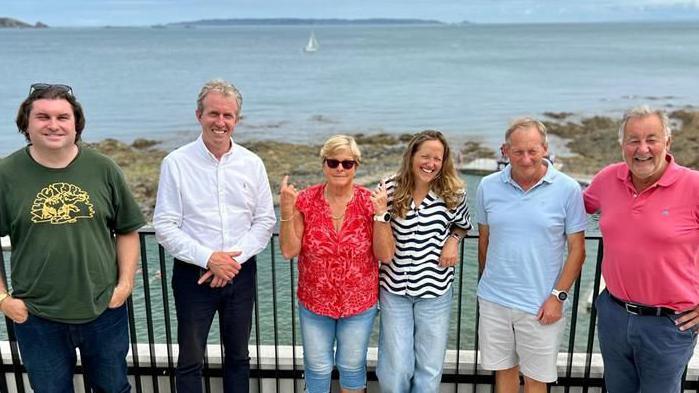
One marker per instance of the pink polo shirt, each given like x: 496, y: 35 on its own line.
x: 651, y: 239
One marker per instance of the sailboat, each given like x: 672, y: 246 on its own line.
x: 312, y: 45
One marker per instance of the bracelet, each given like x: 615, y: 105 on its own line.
x: 3, y: 297
x: 455, y: 236
x: 288, y: 219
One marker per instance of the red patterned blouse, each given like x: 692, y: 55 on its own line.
x: 338, y: 273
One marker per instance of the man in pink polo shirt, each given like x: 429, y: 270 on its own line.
x: 649, y: 218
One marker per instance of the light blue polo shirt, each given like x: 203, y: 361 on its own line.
x: 527, y: 243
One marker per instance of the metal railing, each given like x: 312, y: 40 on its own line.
x: 275, y: 343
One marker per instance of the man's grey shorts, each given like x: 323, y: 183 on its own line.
x: 510, y: 337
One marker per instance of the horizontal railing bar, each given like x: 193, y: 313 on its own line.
x: 151, y: 360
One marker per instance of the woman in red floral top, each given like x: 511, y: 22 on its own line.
x: 329, y: 227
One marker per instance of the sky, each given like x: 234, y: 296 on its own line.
x: 148, y: 12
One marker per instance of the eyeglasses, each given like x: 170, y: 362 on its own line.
x: 43, y: 86
x: 347, y: 164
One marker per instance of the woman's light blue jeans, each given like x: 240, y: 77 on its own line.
x: 412, y: 342
x: 319, y: 355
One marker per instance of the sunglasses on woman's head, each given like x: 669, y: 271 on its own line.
x: 347, y: 164
x: 43, y: 86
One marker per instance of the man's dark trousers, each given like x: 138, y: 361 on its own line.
x: 196, y: 305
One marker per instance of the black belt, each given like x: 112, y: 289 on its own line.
x: 639, y: 309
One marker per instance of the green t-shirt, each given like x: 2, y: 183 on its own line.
x: 62, y: 224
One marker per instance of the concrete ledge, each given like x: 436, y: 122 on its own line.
x: 284, y: 360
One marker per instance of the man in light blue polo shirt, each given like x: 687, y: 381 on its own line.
x: 526, y: 215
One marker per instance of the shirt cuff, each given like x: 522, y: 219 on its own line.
x: 202, y: 256
x: 243, y: 257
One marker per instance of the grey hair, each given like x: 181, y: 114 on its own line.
x: 222, y: 87
x: 643, y: 111
x: 526, y: 122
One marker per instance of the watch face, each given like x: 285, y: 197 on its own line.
x: 562, y: 296
x: 386, y: 217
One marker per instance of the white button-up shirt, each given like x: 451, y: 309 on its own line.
x: 206, y: 205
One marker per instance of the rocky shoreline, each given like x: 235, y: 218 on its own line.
x: 140, y: 161
x: 591, y: 141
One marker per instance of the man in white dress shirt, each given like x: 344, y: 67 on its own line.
x: 214, y: 213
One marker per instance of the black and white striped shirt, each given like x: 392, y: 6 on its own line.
x: 420, y: 236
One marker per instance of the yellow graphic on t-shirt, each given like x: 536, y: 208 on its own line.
x: 61, y: 203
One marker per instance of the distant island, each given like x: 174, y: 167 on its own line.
x: 10, y: 23
x: 300, y: 21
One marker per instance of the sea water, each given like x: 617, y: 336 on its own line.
x: 466, y: 80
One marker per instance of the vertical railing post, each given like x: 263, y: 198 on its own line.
x: 149, y: 314
x: 274, y: 316
x: 258, y: 346
x: 593, y: 315
x: 571, y: 337
x: 293, y: 320
x: 166, y: 316
x: 134, y: 345
x: 458, y: 314
x: 17, y: 368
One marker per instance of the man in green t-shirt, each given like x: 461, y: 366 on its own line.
x: 73, y: 227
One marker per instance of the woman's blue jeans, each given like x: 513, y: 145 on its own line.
x: 320, y: 334
x: 413, y: 342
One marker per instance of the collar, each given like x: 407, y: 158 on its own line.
x: 549, y: 175
x: 431, y: 196
x: 207, y: 155
x: 671, y: 174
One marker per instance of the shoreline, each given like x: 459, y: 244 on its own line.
x: 593, y: 141
x: 584, y: 145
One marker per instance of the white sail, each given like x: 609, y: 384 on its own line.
x: 312, y: 45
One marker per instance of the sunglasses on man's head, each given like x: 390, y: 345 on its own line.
x: 347, y: 164
x: 43, y: 86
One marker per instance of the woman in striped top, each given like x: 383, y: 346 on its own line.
x: 418, y: 248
